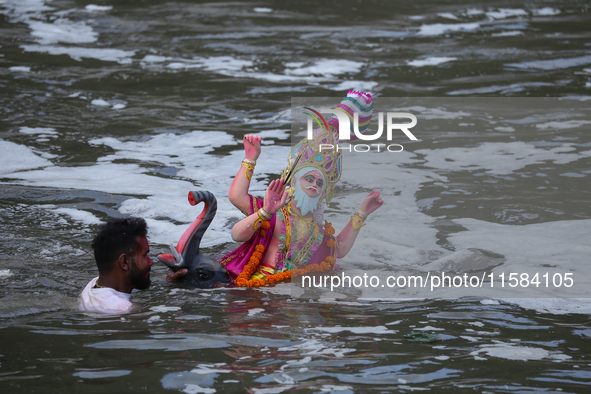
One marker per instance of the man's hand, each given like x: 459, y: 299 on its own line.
x: 252, y: 146
x: 174, y: 276
x: 372, y: 202
x: 275, y: 196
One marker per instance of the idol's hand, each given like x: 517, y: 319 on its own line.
x: 174, y: 276
x: 252, y: 146
x: 372, y: 202
x: 275, y: 197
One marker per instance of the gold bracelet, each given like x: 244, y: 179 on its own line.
x: 248, y: 170
x: 251, y: 162
x: 259, y: 222
x: 361, y: 214
x: 357, y: 221
x: 263, y: 214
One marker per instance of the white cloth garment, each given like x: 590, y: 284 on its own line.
x: 104, y: 299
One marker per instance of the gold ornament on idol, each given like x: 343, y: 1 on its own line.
x: 248, y: 167
x: 358, y: 220
x: 263, y: 216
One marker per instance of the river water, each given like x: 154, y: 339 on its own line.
x: 120, y: 108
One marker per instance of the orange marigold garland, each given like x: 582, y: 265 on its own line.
x: 243, y: 280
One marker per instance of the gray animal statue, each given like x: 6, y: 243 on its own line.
x: 203, y: 271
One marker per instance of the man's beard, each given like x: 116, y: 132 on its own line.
x: 137, y: 277
x: 303, y: 201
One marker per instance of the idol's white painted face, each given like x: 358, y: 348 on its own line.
x: 312, y: 183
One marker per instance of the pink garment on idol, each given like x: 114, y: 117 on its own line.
x: 104, y: 299
x: 235, y: 261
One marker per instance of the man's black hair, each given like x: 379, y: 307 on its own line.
x: 115, y: 237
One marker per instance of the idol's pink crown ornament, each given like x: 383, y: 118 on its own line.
x: 329, y: 161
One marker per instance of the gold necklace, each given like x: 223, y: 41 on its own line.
x: 303, y: 227
x: 300, y: 223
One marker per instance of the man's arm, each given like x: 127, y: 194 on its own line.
x: 346, y: 238
x: 238, y: 193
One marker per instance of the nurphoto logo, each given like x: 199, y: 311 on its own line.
x: 345, y: 128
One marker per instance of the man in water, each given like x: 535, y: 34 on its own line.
x: 121, y: 253
x: 282, y: 237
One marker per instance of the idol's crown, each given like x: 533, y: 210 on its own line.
x: 316, y: 154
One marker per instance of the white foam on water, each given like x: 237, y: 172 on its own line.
x: 505, y: 129
x: 62, y: 30
x: 101, y: 374
x: 511, y: 33
x: 154, y: 59
x: 20, y: 8
x: 36, y: 14
x: 219, y: 64
x: 78, y: 53
x: 164, y: 308
x: 98, y: 8
x: 552, y: 64
x: 171, y: 202
x: 175, y: 150
x: 119, y: 106
x: 327, y: 68
x: 435, y: 113
x: 23, y: 69
x: 206, y: 369
x: 567, y: 124
x: 5, y: 273
x: 546, y: 11
x: 448, y: 15
x: 363, y: 86
x: 503, y: 89
x: 490, y: 302
x: 277, y: 133
x: 554, y: 248
x: 573, y: 175
x: 281, y: 117
x: 504, y: 13
x: 438, y: 29
x: 262, y: 9
x: 431, y: 61
x: 105, y: 177
x: 43, y: 131
x: 316, y: 347
x: 473, y: 12
x: 355, y: 330
x: 322, y: 70
x: 100, y: 103
x: 330, y: 388
x: 555, y: 306
x: 14, y: 157
x: 429, y: 328
x: 255, y: 311
x: 191, y: 388
x: 510, y: 351
x: 166, y: 197
x: 79, y: 215
x: 499, y: 157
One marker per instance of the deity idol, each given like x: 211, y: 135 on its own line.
x: 286, y: 233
